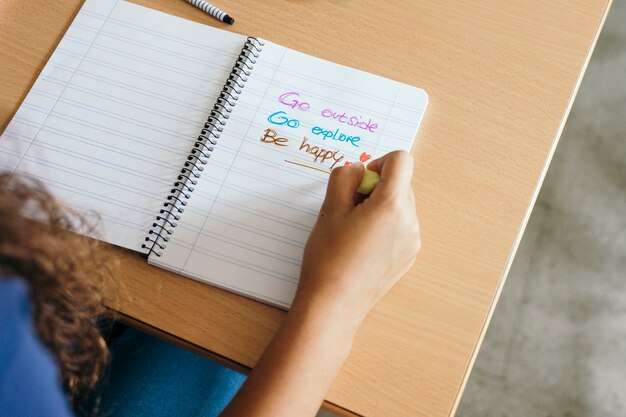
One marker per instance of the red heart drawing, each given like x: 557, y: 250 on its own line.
x: 364, y: 157
x: 347, y: 163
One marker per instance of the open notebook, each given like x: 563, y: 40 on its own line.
x: 116, y: 124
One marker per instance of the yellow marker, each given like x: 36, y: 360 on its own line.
x: 369, y: 182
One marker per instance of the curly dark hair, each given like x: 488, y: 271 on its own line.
x: 64, y: 273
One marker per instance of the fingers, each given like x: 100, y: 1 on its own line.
x: 342, y: 187
x: 396, y: 171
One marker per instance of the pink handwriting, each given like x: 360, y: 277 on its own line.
x: 356, y: 121
x: 294, y: 100
x: 291, y: 99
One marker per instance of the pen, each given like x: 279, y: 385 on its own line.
x: 212, y: 10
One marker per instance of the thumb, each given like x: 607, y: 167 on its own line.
x: 342, y: 187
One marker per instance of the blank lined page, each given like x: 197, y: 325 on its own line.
x: 298, y: 116
x: 114, y: 113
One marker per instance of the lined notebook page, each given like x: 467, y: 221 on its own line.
x: 249, y: 218
x: 114, y: 113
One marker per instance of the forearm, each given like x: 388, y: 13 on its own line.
x: 356, y: 251
x: 297, y: 368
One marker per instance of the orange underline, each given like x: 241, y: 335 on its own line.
x: 327, y: 171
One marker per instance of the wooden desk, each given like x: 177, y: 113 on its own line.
x: 501, y: 78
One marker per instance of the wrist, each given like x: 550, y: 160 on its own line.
x: 326, y: 319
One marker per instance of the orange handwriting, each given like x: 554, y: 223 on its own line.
x: 320, y: 154
x: 271, y: 136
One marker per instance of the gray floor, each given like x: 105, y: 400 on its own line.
x: 556, y: 346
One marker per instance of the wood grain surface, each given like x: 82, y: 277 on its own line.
x: 501, y: 77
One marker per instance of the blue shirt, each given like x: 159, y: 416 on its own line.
x: 30, y: 384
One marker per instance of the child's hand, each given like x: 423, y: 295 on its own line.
x: 357, y: 252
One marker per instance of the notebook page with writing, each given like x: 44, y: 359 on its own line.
x: 111, y: 119
x: 245, y: 227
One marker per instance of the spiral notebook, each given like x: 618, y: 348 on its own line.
x: 201, y: 148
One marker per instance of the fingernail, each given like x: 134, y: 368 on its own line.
x: 355, y: 165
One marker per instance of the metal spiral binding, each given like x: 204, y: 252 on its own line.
x: 175, y: 203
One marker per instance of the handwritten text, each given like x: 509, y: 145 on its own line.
x: 335, y: 135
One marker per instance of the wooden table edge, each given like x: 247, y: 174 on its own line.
x: 529, y: 210
x: 199, y: 350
